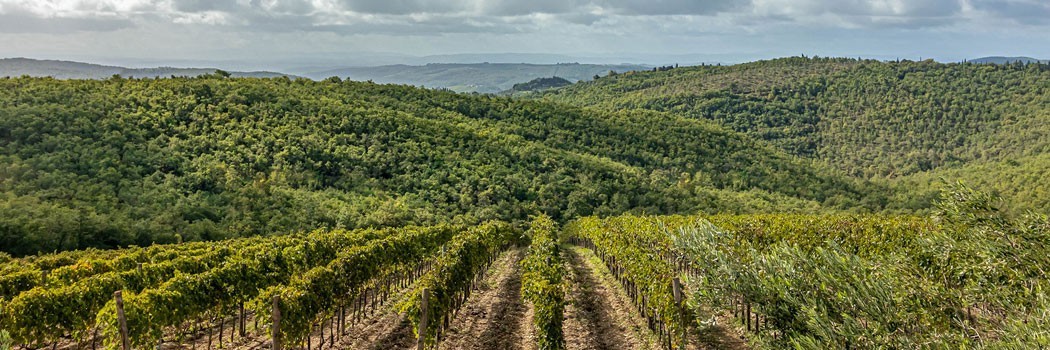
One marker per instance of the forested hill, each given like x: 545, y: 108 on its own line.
x: 102, y: 163
x: 870, y: 119
x: 539, y: 84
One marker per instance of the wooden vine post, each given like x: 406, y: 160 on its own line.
x: 118, y: 297
x: 747, y: 315
x: 242, y: 320
x: 423, y: 320
x: 678, y: 297
x: 276, y: 318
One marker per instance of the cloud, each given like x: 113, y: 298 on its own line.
x: 13, y: 23
x: 404, y: 7
x: 1033, y: 12
x: 671, y: 7
x: 205, y: 5
x: 906, y: 14
x: 433, y: 17
x: 24, y: 20
x: 520, y: 8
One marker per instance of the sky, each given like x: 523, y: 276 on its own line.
x: 272, y: 33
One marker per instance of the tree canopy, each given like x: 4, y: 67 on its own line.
x: 121, y: 161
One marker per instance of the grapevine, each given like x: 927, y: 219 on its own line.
x: 542, y: 285
x: 454, y: 273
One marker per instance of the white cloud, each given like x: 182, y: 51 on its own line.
x: 352, y: 16
x: 293, y: 26
x: 1018, y: 11
x: 203, y: 17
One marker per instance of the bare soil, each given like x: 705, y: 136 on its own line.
x: 722, y: 335
x: 494, y: 317
x: 388, y: 329
x: 599, y: 314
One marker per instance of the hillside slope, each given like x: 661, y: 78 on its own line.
x: 120, y: 161
x: 868, y: 118
x: 1021, y: 183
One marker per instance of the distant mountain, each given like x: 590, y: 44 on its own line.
x: 317, y: 63
x: 1005, y: 60
x: 15, y: 67
x: 474, y: 77
x: 534, y: 58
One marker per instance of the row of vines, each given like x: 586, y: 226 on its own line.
x: 636, y: 253
x: 966, y: 277
x: 60, y: 269
x: 309, y: 277
x: 541, y: 283
x: 454, y: 274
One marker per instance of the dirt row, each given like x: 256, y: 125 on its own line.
x: 602, y: 299
x: 598, y: 314
x: 494, y: 317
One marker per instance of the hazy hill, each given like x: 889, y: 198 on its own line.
x: 476, y: 77
x: 1005, y: 60
x: 16, y: 67
x: 206, y: 158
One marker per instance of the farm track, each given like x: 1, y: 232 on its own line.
x: 494, y: 317
x: 598, y: 314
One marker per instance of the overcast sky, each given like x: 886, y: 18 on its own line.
x: 255, y: 31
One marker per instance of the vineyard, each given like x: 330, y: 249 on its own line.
x: 287, y: 287
x: 965, y: 277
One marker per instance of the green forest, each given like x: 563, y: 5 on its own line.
x: 906, y: 124
x: 118, y: 162
x: 138, y: 161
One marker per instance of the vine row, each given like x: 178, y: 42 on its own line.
x: 542, y: 282
x: 456, y: 271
